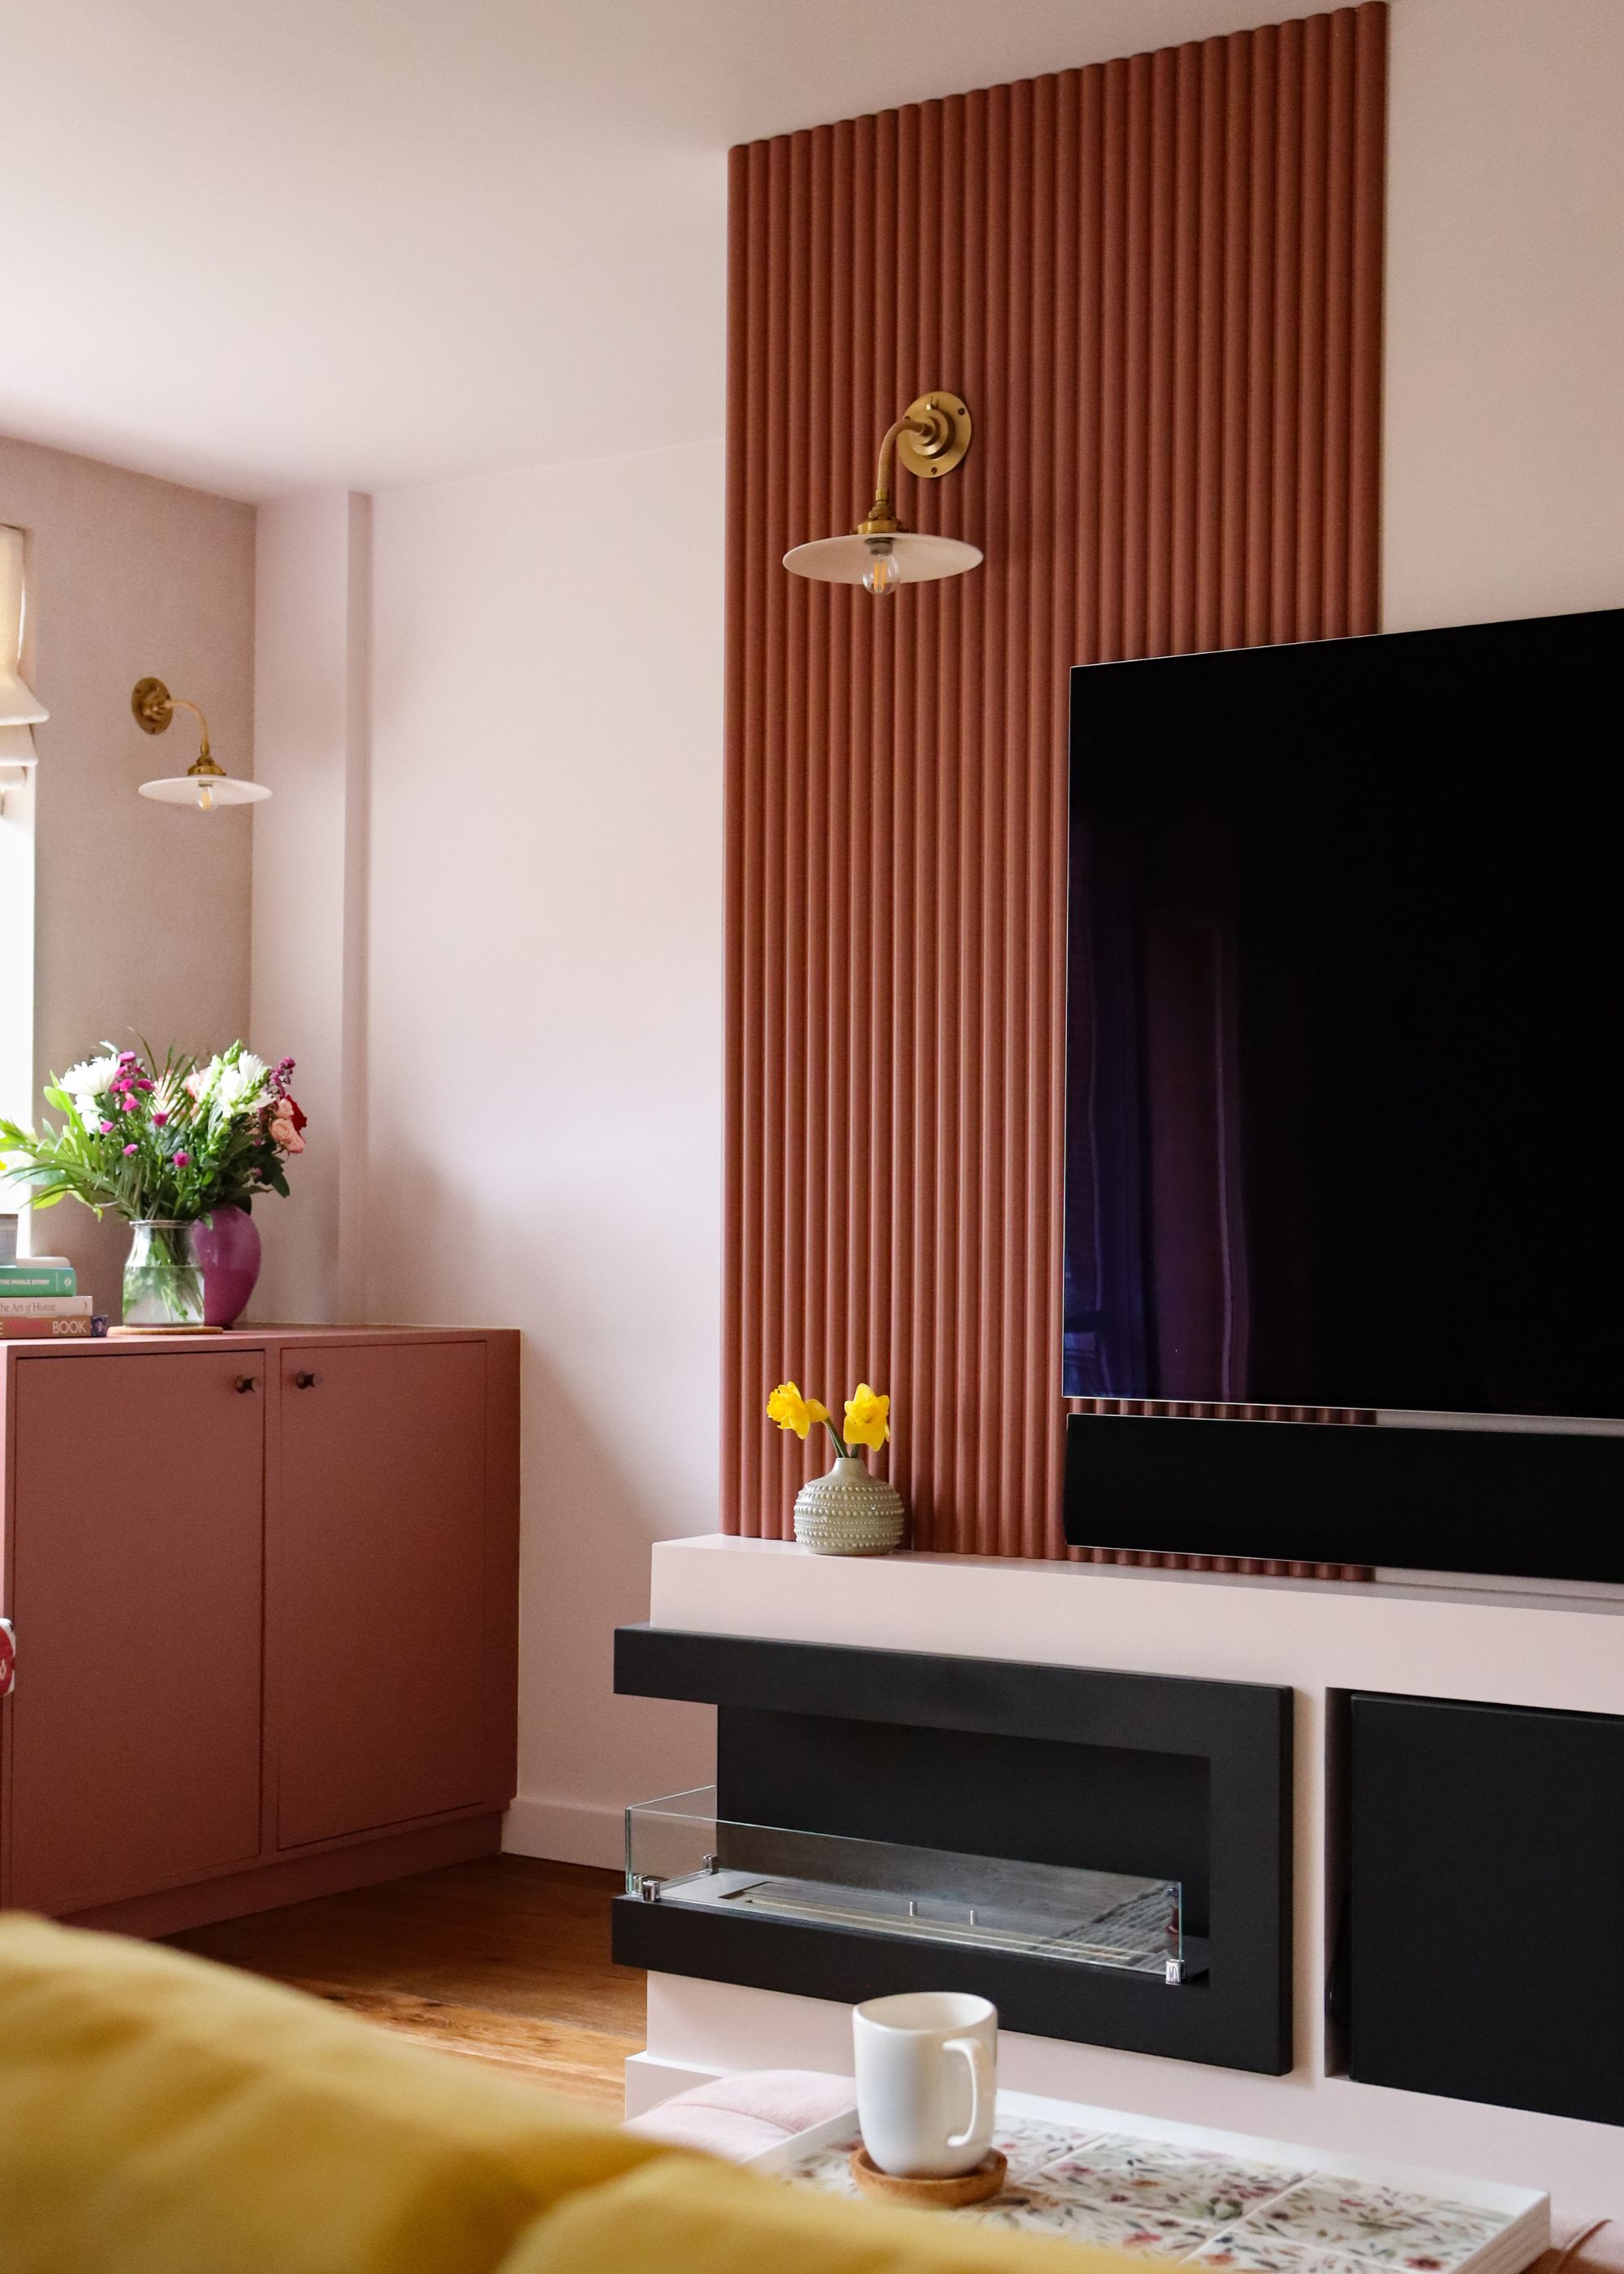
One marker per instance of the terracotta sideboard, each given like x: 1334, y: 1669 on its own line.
x: 263, y: 1591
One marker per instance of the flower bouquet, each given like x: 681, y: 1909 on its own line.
x: 163, y: 1146
x: 848, y: 1511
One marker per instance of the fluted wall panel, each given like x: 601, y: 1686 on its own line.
x: 1157, y: 282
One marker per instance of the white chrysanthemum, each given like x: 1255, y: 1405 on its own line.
x: 232, y: 1085
x: 89, y: 1079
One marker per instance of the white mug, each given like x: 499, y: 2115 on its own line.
x: 927, y: 2081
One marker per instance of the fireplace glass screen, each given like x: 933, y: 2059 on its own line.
x: 677, y: 1850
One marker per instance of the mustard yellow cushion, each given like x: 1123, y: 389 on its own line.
x: 699, y: 2217
x: 162, y: 2114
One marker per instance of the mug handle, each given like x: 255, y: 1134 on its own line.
x: 980, y: 2081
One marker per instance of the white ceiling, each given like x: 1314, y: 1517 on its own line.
x: 271, y: 244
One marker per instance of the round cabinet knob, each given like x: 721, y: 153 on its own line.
x: 305, y: 1381
x: 245, y: 1384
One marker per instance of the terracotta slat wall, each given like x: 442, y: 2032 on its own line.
x: 1157, y: 282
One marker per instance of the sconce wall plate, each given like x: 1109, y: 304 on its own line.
x: 936, y: 430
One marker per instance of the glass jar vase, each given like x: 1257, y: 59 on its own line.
x: 164, y: 1279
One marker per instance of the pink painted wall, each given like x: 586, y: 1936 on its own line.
x: 143, y: 909
x: 544, y: 1041
x: 1504, y: 448
x: 310, y: 710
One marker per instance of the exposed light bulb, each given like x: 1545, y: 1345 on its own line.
x: 206, y: 798
x: 884, y: 573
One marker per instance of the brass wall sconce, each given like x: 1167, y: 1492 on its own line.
x: 203, y: 784
x: 929, y: 439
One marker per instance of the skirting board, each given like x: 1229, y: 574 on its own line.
x: 296, y: 1878
x: 566, y: 1832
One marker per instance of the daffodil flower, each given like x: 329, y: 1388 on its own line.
x: 865, y: 1417
x: 791, y: 1411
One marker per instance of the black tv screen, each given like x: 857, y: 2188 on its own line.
x: 1346, y: 1024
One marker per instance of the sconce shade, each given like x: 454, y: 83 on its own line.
x: 20, y: 708
x: 184, y: 789
x: 848, y: 560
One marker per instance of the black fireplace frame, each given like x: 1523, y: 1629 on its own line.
x: 815, y: 1736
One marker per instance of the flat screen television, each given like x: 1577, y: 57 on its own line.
x: 1345, y: 1066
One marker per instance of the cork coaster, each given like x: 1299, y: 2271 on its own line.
x: 954, y: 2194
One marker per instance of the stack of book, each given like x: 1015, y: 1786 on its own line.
x: 39, y: 1296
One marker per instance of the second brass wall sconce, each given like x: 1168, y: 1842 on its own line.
x: 203, y: 784
x: 929, y: 439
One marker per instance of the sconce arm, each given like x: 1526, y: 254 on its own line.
x: 204, y: 763
x: 154, y: 708
x: 938, y: 430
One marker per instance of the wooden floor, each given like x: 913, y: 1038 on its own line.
x: 504, y: 1960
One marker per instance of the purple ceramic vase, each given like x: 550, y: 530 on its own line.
x: 227, y: 1248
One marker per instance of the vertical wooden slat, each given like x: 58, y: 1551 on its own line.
x: 1260, y: 337
x: 949, y: 1522
x: 1138, y: 282
x: 826, y: 487
x: 1310, y: 619
x: 903, y: 1295
x: 1284, y: 546
x: 985, y: 870
x: 1182, y: 446
x: 746, y: 1174
x: 1045, y: 708
x: 1113, y: 352
x: 792, y: 1039
x: 1158, y: 283
x: 1233, y: 550
x: 1160, y: 380
x: 1370, y: 114
x: 1210, y: 351
x: 1338, y: 324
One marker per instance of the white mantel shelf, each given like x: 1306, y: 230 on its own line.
x: 1562, y: 1651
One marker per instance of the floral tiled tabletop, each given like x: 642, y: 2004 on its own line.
x: 1212, y: 2209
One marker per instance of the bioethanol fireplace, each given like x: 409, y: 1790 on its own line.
x: 682, y: 1851
x: 1103, y: 1854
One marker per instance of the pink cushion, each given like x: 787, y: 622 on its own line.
x: 738, y: 2116
x: 718, y: 2131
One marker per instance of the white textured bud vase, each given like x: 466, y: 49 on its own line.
x: 849, y: 1512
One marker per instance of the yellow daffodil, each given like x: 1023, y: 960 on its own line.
x: 865, y: 1417
x: 791, y: 1411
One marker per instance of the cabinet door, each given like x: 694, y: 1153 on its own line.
x: 136, y: 1591
x: 378, y: 1637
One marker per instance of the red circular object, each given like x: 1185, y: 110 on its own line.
x: 8, y: 1660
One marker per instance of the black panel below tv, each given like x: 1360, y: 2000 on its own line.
x: 1486, y: 1904
x: 1520, y: 1505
